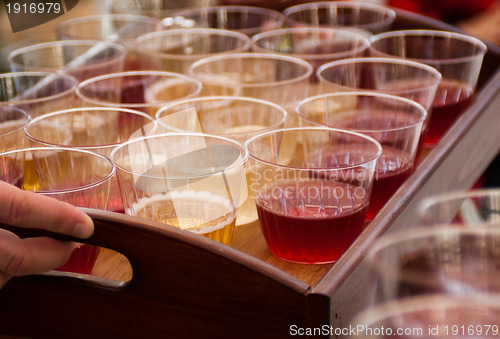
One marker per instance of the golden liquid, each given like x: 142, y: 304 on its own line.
x: 199, y: 212
x: 222, y: 84
x: 30, y: 182
x: 166, y: 91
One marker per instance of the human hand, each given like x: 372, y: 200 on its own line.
x: 30, y: 210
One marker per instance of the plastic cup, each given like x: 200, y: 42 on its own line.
x: 444, y: 259
x: 119, y: 28
x: 80, y: 59
x: 236, y: 118
x: 154, y: 8
x: 184, y: 180
x: 78, y: 177
x: 248, y: 20
x: 12, y: 122
x: 146, y: 91
x: 95, y: 129
x: 395, y: 122
x: 466, y: 208
x: 408, y: 79
x: 359, y: 16
x: 437, y: 316
x: 37, y: 93
x: 174, y: 50
x: 281, y: 79
x: 316, y: 45
x: 458, y: 57
x: 312, y: 199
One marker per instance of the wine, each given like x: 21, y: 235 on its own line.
x: 316, y: 223
x: 451, y: 100
x: 82, y: 260
x: 392, y: 170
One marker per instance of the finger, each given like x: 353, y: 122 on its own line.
x: 31, y: 255
x: 31, y: 210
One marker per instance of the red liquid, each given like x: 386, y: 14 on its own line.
x: 132, y: 91
x: 84, y: 256
x: 115, y: 204
x: 82, y: 259
x: 392, y: 171
x: 10, y: 172
x: 299, y: 230
x: 452, y: 99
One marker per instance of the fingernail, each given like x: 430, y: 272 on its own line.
x: 84, y: 229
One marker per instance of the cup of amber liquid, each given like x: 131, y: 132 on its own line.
x: 185, y: 180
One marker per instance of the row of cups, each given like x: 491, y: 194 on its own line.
x: 437, y: 69
x: 266, y: 107
x: 306, y: 158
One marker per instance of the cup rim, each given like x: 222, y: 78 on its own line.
x: 398, y: 307
x: 308, y: 67
x: 419, y: 107
x: 68, y: 149
x: 27, y: 116
x: 325, y: 128
x: 390, y: 13
x: 269, y: 12
x: 228, y: 8
x: 98, y: 18
x: 140, y: 48
x: 171, y: 75
x: 196, y: 11
x: 362, y: 40
x: 239, y: 163
x: 373, y: 60
x: 221, y: 97
x: 61, y: 43
x: 443, y: 231
x: 85, y: 109
x: 439, y: 198
x: 42, y: 75
x: 482, y: 48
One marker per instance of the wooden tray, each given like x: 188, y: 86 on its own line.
x: 186, y: 286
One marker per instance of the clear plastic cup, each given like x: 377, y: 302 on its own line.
x: 79, y: 58
x: 236, y: 118
x: 248, y: 20
x: 312, y: 199
x: 458, y: 57
x: 362, y: 16
x: 175, y: 50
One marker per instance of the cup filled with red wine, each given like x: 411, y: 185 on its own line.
x: 395, y: 122
x: 312, y: 188
x: 457, y: 56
